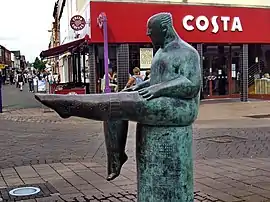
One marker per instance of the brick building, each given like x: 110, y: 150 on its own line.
x: 5, y: 60
x: 5, y: 56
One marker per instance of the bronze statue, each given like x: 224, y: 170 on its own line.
x: 165, y: 106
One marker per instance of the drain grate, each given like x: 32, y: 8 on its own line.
x: 223, y: 139
x: 201, y: 197
x: 123, y: 196
x: 46, y: 190
x: 259, y: 116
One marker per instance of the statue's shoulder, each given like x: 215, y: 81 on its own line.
x: 188, y: 49
x: 181, y: 49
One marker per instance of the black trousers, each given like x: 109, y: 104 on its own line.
x: 31, y: 85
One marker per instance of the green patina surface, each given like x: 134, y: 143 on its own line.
x: 164, y: 153
x: 165, y: 107
x: 165, y: 164
x: 169, y: 107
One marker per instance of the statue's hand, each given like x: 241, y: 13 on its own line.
x: 150, y: 92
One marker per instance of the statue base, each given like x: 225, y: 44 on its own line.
x: 164, y: 164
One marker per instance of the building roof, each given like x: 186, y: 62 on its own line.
x: 16, y: 53
x: 3, y: 47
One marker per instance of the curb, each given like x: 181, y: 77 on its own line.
x: 28, y: 119
x: 40, y: 119
x: 35, y: 115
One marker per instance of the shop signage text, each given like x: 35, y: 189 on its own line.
x: 77, y: 22
x: 216, y: 23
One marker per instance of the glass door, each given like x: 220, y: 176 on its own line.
x: 215, y: 70
x: 235, y: 68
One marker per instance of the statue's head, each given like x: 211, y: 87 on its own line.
x: 159, y: 27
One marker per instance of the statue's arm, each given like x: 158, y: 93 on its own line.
x: 188, y: 83
x: 180, y: 87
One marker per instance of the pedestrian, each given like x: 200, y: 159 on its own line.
x: 24, y: 77
x: 35, y: 82
x: 136, y: 78
x: 30, y: 78
x: 16, y: 79
x: 11, y: 78
x: 20, y: 80
x: 4, y: 78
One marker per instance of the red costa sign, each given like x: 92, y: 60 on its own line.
x: 193, y: 23
x: 77, y: 22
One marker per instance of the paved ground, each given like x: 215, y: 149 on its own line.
x: 14, y: 99
x: 66, y: 158
x: 232, y: 160
x: 227, y: 180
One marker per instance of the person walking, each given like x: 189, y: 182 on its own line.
x: 30, y: 80
x: 25, y: 77
x: 11, y: 78
x: 20, y: 80
x: 35, y: 82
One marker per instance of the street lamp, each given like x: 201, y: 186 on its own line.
x: 102, y: 23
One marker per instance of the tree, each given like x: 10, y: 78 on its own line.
x: 39, y: 64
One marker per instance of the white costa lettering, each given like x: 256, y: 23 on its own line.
x: 202, y: 23
x: 186, y: 20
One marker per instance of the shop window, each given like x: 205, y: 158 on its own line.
x: 258, y: 60
x: 264, y: 58
x: 259, y: 68
x: 134, y: 55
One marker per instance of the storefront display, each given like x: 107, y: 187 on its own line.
x: 233, y: 42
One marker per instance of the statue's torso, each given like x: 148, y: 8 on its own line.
x: 163, y: 66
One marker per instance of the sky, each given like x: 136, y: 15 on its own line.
x: 24, y: 25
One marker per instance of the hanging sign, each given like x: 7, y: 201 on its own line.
x: 2, y: 66
x: 77, y: 22
x: 146, y: 56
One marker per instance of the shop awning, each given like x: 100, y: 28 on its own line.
x: 64, y: 48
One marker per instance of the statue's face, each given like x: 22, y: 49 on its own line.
x: 155, y: 33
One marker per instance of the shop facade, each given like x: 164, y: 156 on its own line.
x: 72, y: 53
x: 232, y: 41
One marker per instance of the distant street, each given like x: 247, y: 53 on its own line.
x: 14, y: 99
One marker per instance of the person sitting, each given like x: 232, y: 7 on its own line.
x: 136, y: 78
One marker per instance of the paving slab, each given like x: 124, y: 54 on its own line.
x: 215, y: 180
